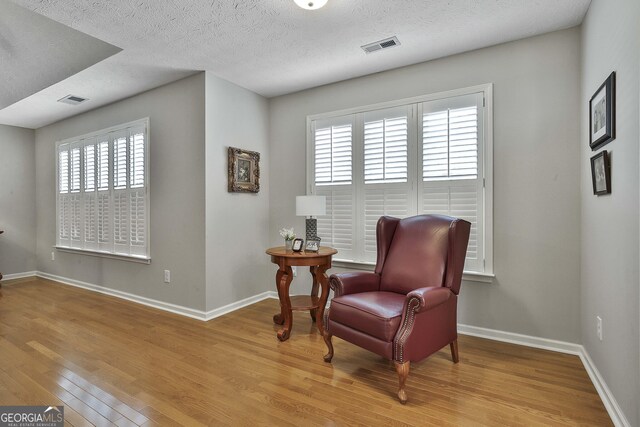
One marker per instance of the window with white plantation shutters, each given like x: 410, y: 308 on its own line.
x: 102, y: 202
x: 424, y: 155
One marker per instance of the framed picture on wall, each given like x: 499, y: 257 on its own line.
x: 602, y: 114
x: 601, y: 173
x: 243, y: 171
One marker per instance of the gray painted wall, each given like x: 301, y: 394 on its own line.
x: 237, y: 224
x: 536, y: 172
x: 177, y: 195
x: 17, y: 200
x: 610, y: 242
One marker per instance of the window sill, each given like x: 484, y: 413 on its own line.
x: 129, y: 258
x: 467, y: 276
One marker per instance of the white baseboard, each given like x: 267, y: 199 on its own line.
x: 611, y: 405
x: 217, y: 312
x: 173, y: 308
x: 526, y: 340
x: 19, y: 275
x: 161, y: 305
x: 609, y: 401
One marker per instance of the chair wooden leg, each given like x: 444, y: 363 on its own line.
x: 454, y: 351
x: 403, y: 372
x: 327, y: 339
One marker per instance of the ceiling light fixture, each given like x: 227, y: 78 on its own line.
x: 311, y: 4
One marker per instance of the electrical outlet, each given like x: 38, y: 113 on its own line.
x: 167, y: 276
x: 295, y: 271
x: 53, y: 256
x: 599, y: 327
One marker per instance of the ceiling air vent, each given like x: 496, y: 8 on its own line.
x: 72, y: 99
x: 381, y: 44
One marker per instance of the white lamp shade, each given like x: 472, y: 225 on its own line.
x: 311, y: 205
x: 310, y: 4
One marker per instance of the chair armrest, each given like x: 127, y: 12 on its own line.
x: 353, y: 283
x: 429, y: 297
x: 417, y: 301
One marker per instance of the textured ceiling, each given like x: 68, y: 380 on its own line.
x: 272, y: 47
x: 32, y: 60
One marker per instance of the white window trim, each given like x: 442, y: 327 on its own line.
x: 130, y: 258
x: 467, y: 276
x: 94, y: 134
x: 488, y: 274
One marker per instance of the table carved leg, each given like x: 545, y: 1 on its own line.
x: 285, y: 317
x: 321, y: 275
x: 278, y: 318
x: 314, y: 290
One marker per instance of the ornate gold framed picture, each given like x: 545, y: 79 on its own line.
x: 244, y: 171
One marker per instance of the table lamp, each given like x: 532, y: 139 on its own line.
x: 310, y: 206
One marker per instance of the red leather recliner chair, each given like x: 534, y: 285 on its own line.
x: 406, y: 309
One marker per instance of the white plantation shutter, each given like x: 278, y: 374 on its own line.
x: 63, y: 169
x: 460, y: 200
x: 138, y: 222
x: 336, y: 228
x: 396, y: 202
x: 137, y: 159
x: 451, y: 181
x: 386, y: 188
x: 74, y: 170
x: 386, y: 146
x: 63, y: 202
x: 333, y: 153
x: 137, y: 193
x: 120, y: 155
x: 74, y: 198
x: 102, y: 167
x: 89, y: 210
x: 333, y: 178
x: 102, y: 202
x: 450, y: 141
x: 103, y: 221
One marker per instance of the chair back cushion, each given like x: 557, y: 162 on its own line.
x: 420, y: 250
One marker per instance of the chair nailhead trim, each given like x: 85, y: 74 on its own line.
x: 405, y: 329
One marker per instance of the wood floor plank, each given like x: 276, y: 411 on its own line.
x: 113, y: 362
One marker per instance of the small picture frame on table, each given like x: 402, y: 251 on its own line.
x: 601, y: 173
x: 297, y: 245
x: 313, y: 245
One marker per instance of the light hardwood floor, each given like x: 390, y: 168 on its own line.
x: 111, y: 361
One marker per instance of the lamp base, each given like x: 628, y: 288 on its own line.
x: 312, y: 228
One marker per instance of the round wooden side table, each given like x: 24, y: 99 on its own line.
x: 318, y: 263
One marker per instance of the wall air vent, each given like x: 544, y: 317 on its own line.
x: 72, y: 99
x: 381, y: 44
